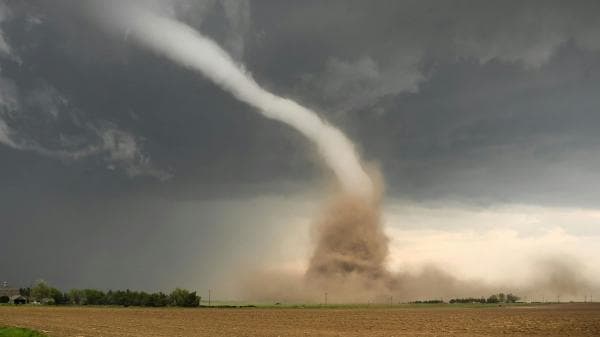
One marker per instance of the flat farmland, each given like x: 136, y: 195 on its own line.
x: 544, y: 320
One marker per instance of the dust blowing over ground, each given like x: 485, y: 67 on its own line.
x: 349, y: 264
x: 348, y: 261
x: 349, y: 256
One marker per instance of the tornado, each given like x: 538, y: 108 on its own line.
x: 189, y: 48
x: 349, y: 240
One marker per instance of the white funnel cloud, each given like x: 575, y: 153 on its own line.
x: 188, y: 47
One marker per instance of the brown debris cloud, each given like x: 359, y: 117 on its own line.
x: 349, y: 264
x: 349, y: 240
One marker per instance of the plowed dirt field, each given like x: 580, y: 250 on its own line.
x: 546, y: 320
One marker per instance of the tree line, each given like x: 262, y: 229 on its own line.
x: 427, y: 302
x: 495, y: 298
x: 43, y: 293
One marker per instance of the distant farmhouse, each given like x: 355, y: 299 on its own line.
x: 11, y: 295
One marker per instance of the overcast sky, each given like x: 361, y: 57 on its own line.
x: 119, y: 168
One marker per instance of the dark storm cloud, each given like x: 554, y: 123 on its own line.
x: 485, y: 101
x: 493, y: 131
x: 394, y: 61
x: 460, y: 99
x: 150, y: 97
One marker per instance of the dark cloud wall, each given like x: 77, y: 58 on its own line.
x: 455, y: 100
x: 494, y: 131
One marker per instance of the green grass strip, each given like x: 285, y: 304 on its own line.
x: 19, y: 332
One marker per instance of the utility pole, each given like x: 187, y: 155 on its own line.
x: 391, y: 300
x: 209, y: 297
x: 325, y: 298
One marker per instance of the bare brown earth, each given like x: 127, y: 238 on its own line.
x: 547, y: 320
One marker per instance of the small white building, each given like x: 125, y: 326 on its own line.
x: 17, y: 299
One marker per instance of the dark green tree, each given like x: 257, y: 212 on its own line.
x: 76, y: 296
x: 93, y: 297
x: 510, y: 298
x: 57, y: 296
x: 41, y: 291
x: 493, y: 299
x: 183, y: 298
